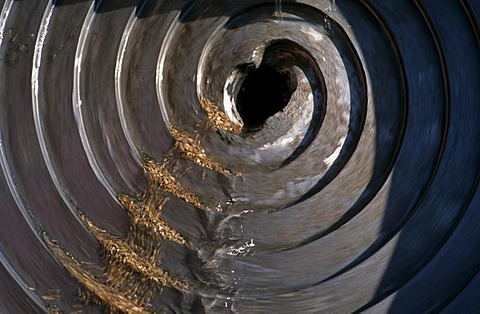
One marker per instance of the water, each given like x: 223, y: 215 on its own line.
x: 278, y: 11
x: 267, y: 241
x: 331, y: 8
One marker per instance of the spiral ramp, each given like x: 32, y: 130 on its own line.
x: 239, y: 156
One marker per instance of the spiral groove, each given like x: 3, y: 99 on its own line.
x: 239, y: 156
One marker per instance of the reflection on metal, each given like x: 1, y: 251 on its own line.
x: 360, y: 194
x: 131, y: 275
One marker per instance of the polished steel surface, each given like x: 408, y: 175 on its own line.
x: 253, y: 156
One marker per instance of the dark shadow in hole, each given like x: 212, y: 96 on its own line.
x: 275, y: 56
x: 264, y: 92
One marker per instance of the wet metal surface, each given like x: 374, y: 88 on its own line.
x: 144, y: 170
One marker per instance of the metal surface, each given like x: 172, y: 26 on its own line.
x: 352, y: 186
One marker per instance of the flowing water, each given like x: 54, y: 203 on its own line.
x: 199, y: 156
x: 278, y: 10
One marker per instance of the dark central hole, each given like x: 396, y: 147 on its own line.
x: 264, y: 92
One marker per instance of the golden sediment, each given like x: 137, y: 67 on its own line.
x: 162, y: 176
x: 192, y: 151
x: 53, y: 295
x: 132, y: 274
x: 118, y: 250
x: 217, y: 118
x: 54, y: 310
x: 146, y: 215
x: 103, y: 293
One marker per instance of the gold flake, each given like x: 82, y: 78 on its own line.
x: 51, y: 297
x: 191, y: 150
x: 131, y: 275
x: 102, y: 292
x: 160, y: 175
x: 53, y: 309
x: 120, y: 251
x: 145, y: 214
x: 217, y: 118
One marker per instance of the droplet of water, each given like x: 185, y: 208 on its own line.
x: 278, y: 11
x: 328, y: 24
x: 331, y: 8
